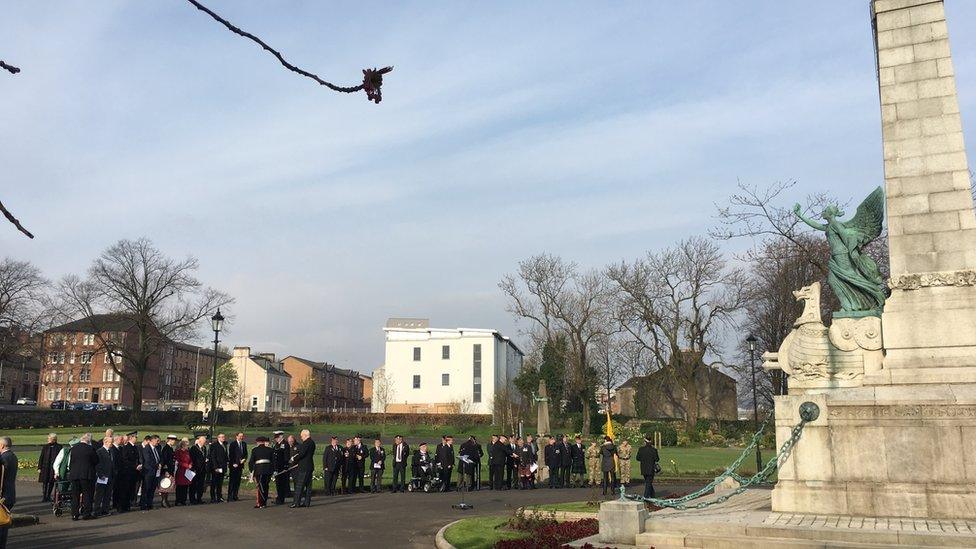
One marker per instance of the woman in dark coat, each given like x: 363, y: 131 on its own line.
x: 45, y: 466
x: 608, y: 464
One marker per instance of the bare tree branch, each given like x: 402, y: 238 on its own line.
x: 10, y: 217
x: 11, y: 68
x: 372, y: 78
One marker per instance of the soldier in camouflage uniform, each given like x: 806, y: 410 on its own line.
x: 593, y: 463
x: 623, y: 452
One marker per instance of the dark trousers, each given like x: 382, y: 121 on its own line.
x: 103, y: 498
x: 376, y: 480
x: 3, y: 531
x: 491, y: 475
x: 445, y: 475
x: 649, y: 486
x: 564, y: 475
x: 554, y: 476
x: 303, y: 488
x: 82, y: 492
x: 234, y: 484
x: 609, y: 481
x: 121, y: 487
x: 181, y: 492
x: 347, y: 481
x: 196, y: 488
x: 282, y: 488
x: 134, y: 485
x: 216, y: 486
x: 509, y: 475
x: 148, y: 490
x: 359, y: 480
x: 47, y: 488
x: 498, y: 475
x: 331, y: 479
x: 399, y: 472
x: 264, y: 488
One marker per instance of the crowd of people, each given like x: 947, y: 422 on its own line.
x: 115, y: 473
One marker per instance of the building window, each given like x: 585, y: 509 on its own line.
x: 67, y: 393
x: 85, y: 375
x: 445, y: 352
x: 86, y: 358
x: 89, y: 339
x: 416, y: 354
x: 416, y: 382
x: 476, y: 390
x: 254, y: 403
x: 445, y: 379
x: 57, y: 393
x: 83, y: 393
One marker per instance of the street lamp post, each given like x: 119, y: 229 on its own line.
x: 751, y: 340
x: 217, y: 321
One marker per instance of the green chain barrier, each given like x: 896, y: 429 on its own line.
x: 808, y: 412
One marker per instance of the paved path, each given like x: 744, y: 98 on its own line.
x: 363, y: 520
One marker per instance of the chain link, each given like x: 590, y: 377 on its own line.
x: 744, y: 482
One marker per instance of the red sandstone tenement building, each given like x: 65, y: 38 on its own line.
x: 77, y: 368
x: 338, y: 389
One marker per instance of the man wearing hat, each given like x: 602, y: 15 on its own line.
x: 262, y: 467
x: 281, y: 454
x: 332, y: 463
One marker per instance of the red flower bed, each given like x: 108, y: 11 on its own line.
x: 552, y: 535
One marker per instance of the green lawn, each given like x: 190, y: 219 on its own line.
x: 571, y: 507
x: 479, y: 532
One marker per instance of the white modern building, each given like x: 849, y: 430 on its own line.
x: 436, y: 370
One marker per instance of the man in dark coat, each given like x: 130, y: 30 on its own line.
x: 498, y: 456
x: 377, y: 464
x: 332, y: 463
x: 198, y: 460
x: 565, y: 462
x: 281, y: 456
x: 445, y: 461
x: 129, y: 480
x: 261, y: 466
x: 8, y: 486
x: 82, y: 477
x: 360, y: 452
x: 304, y: 461
x: 648, y: 458
x: 237, y: 458
x: 105, y: 478
x: 218, y: 468
x: 118, y: 487
x: 45, y: 466
x: 472, y: 451
x: 551, y: 454
x: 491, y: 462
x: 399, y: 455
x: 577, y: 454
x: 511, y: 465
x: 151, y: 466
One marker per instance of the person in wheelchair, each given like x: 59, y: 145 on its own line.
x: 424, y: 476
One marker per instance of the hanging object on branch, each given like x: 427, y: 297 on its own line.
x: 372, y: 78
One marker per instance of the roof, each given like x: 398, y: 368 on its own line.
x: 484, y: 332
x: 203, y: 350
x: 325, y: 366
x: 109, y: 322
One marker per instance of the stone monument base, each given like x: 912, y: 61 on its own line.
x: 747, y: 522
x: 881, y: 451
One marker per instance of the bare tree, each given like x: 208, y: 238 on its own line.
x: 559, y: 299
x: 308, y: 391
x: 158, y: 298
x: 384, y: 391
x: 675, y: 304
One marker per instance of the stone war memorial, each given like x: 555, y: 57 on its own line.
x: 877, y: 435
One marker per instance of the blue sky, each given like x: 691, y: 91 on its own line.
x: 596, y: 131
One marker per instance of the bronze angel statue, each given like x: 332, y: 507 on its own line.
x: 853, y: 275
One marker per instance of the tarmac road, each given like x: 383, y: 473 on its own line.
x: 353, y: 521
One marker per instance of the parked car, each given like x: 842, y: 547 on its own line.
x: 58, y: 405
x: 24, y: 401
x: 89, y: 406
x: 76, y: 406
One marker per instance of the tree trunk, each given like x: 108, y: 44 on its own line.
x: 586, y: 414
x: 691, y: 411
x: 135, y: 415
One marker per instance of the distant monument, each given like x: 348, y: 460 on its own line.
x: 542, y: 428
x: 889, y: 460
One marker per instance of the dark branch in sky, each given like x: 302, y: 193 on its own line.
x: 372, y: 78
x: 10, y: 217
x: 11, y: 68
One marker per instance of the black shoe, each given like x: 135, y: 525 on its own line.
x: 292, y: 506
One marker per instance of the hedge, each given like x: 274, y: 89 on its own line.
x: 429, y: 420
x: 669, y: 435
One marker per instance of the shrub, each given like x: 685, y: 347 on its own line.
x: 553, y: 535
x: 669, y: 435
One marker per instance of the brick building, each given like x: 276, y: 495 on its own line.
x: 339, y: 389
x: 76, y: 367
x: 19, y: 367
